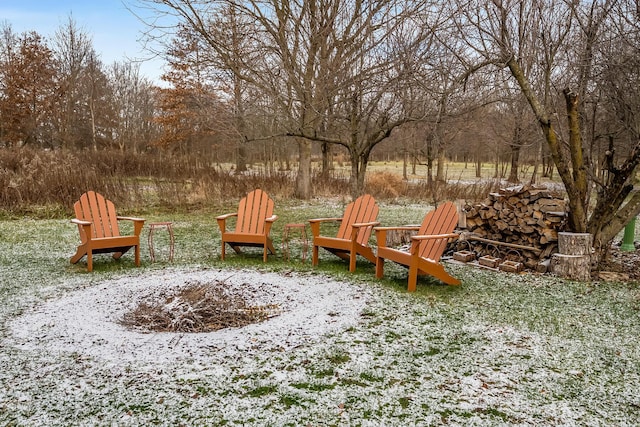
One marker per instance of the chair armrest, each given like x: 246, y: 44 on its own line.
x: 130, y: 218
x: 365, y: 224
x: 222, y: 219
x: 138, y: 223
x: 355, y: 228
x: 272, y: 218
x: 225, y: 216
x: 85, y: 227
x: 268, y: 223
x: 315, y: 224
x: 435, y: 237
x: 325, y: 219
x: 401, y: 227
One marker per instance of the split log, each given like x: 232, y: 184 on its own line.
x: 543, y: 266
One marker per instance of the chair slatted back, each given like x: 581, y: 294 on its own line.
x: 362, y: 209
x: 442, y: 220
x: 101, y: 212
x: 253, y: 210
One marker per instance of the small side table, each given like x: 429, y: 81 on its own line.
x: 286, y: 237
x: 156, y: 225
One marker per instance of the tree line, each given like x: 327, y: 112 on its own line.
x: 57, y: 93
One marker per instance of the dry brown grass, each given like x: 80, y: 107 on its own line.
x: 47, y: 183
x: 55, y: 179
x: 386, y: 185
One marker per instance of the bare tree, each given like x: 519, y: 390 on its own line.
x: 133, y: 103
x: 567, y: 44
x: 329, y: 66
x: 72, y: 47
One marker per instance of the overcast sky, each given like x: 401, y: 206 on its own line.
x: 115, y: 31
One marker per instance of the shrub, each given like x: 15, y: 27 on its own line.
x: 386, y: 185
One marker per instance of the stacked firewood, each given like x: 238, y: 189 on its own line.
x: 526, y: 218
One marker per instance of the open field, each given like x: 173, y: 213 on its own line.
x: 347, y: 350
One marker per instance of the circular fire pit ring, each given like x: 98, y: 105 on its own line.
x: 299, y: 309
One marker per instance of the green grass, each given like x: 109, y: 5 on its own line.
x: 501, y: 349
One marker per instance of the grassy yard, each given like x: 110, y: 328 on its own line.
x: 502, y: 349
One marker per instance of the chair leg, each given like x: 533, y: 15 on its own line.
x: 264, y: 253
x: 137, y: 255
x: 352, y: 262
x: 80, y: 252
x: 314, y: 256
x: 222, y: 251
x: 412, y: 283
x: 89, y: 261
x: 379, y: 267
x: 438, y: 271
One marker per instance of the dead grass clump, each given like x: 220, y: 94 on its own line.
x: 385, y: 185
x: 439, y: 191
x: 330, y: 184
x: 196, y: 308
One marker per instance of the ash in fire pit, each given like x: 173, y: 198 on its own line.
x: 197, y: 307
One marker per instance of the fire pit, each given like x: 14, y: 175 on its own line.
x: 178, y: 314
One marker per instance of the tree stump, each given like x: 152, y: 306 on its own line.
x: 401, y: 237
x: 573, y: 261
x: 462, y: 214
x: 575, y: 243
x: 574, y: 267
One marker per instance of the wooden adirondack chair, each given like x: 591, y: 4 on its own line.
x: 353, y: 235
x: 253, y: 224
x: 99, y: 233
x: 426, y: 247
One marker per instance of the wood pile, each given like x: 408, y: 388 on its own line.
x: 523, y: 217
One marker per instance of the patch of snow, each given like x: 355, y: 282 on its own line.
x: 87, y: 321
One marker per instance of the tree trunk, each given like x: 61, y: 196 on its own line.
x: 241, y: 151
x: 327, y: 160
x: 440, y: 166
x: 241, y: 157
x: 516, y: 146
x: 536, y: 165
x: 358, y: 170
x: 405, y: 159
x: 574, y: 178
x: 303, y: 179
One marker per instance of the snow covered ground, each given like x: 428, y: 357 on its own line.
x: 502, y: 350
x: 86, y: 322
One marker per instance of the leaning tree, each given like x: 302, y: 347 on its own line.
x: 575, y: 53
